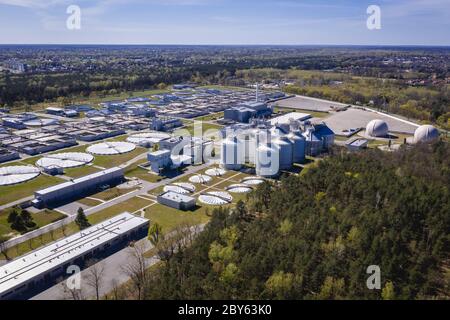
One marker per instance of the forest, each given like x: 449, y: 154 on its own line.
x: 313, y: 235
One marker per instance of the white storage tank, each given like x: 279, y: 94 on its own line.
x: 232, y: 155
x: 299, y: 145
x: 285, y: 150
x: 267, y: 161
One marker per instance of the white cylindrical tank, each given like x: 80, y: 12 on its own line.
x: 267, y: 161
x: 231, y: 157
x: 286, y: 151
x: 299, y: 145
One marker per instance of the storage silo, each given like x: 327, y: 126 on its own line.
x: 232, y: 156
x: 285, y: 150
x: 299, y: 145
x: 267, y: 161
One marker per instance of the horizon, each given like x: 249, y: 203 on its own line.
x: 225, y: 23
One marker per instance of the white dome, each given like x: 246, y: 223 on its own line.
x: 377, y: 128
x: 426, y: 134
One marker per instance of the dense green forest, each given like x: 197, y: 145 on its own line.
x: 313, y: 236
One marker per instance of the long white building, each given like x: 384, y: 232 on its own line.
x: 39, y: 269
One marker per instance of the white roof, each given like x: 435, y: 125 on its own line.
x: 148, y: 137
x: 286, y: 118
x: 57, y: 254
x: 200, y: 178
x: 239, y: 188
x: 111, y: 148
x: 215, y: 172
x: 170, y: 195
x: 17, y: 174
x: 65, y: 160
x: 78, y: 181
x: 215, y: 198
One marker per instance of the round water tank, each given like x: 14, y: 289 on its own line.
x: 299, y: 145
x: 267, y: 161
x: 377, y: 128
x: 231, y: 157
x: 426, y: 134
x: 285, y: 150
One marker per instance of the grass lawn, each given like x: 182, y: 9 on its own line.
x: 111, y: 193
x: 210, y: 117
x: 314, y: 114
x: 41, y: 219
x: 16, y: 192
x: 80, y: 171
x: 89, y: 202
x: 169, y: 218
x: 205, y: 127
x: 116, y: 160
x: 131, y: 205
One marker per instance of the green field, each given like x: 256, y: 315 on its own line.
x: 41, y: 219
x: 169, y: 218
x: 131, y: 205
x: 111, y: 193
x: 314, y: 114
x: 116, y: 160
x: 16, y: 192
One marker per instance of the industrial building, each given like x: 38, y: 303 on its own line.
x: 77, y: 188
x: 243, y: 113
x: 40, y: 269
x: 8, y: 155
x: 357, y: 144
x: 272, y: 147
x: 165, y: 123
x: 177, y: 201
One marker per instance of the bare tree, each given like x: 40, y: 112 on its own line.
x: 63, y: 227
x: 179, y: 239
x: 4, y: 248
x: 94, y: 277
x: 117, y: 293
x: 136, y: 269
x: 71, y: 293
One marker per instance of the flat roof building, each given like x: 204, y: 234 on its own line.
x: 177, y: 201
x: 39, y: 269
x: 77, y: 188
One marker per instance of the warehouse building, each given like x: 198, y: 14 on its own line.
x: 78, y: 188
x: 8, y: 155
x: 177, y: 201
x: 40, y: 269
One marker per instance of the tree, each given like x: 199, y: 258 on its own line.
x: 388, y: 292
x: 155, y: 233
x: 94, y: 277
x: 81, y: 220
x: 136, y: 269
x: 4, y: 247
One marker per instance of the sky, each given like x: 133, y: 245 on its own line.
x: 234, y: 22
